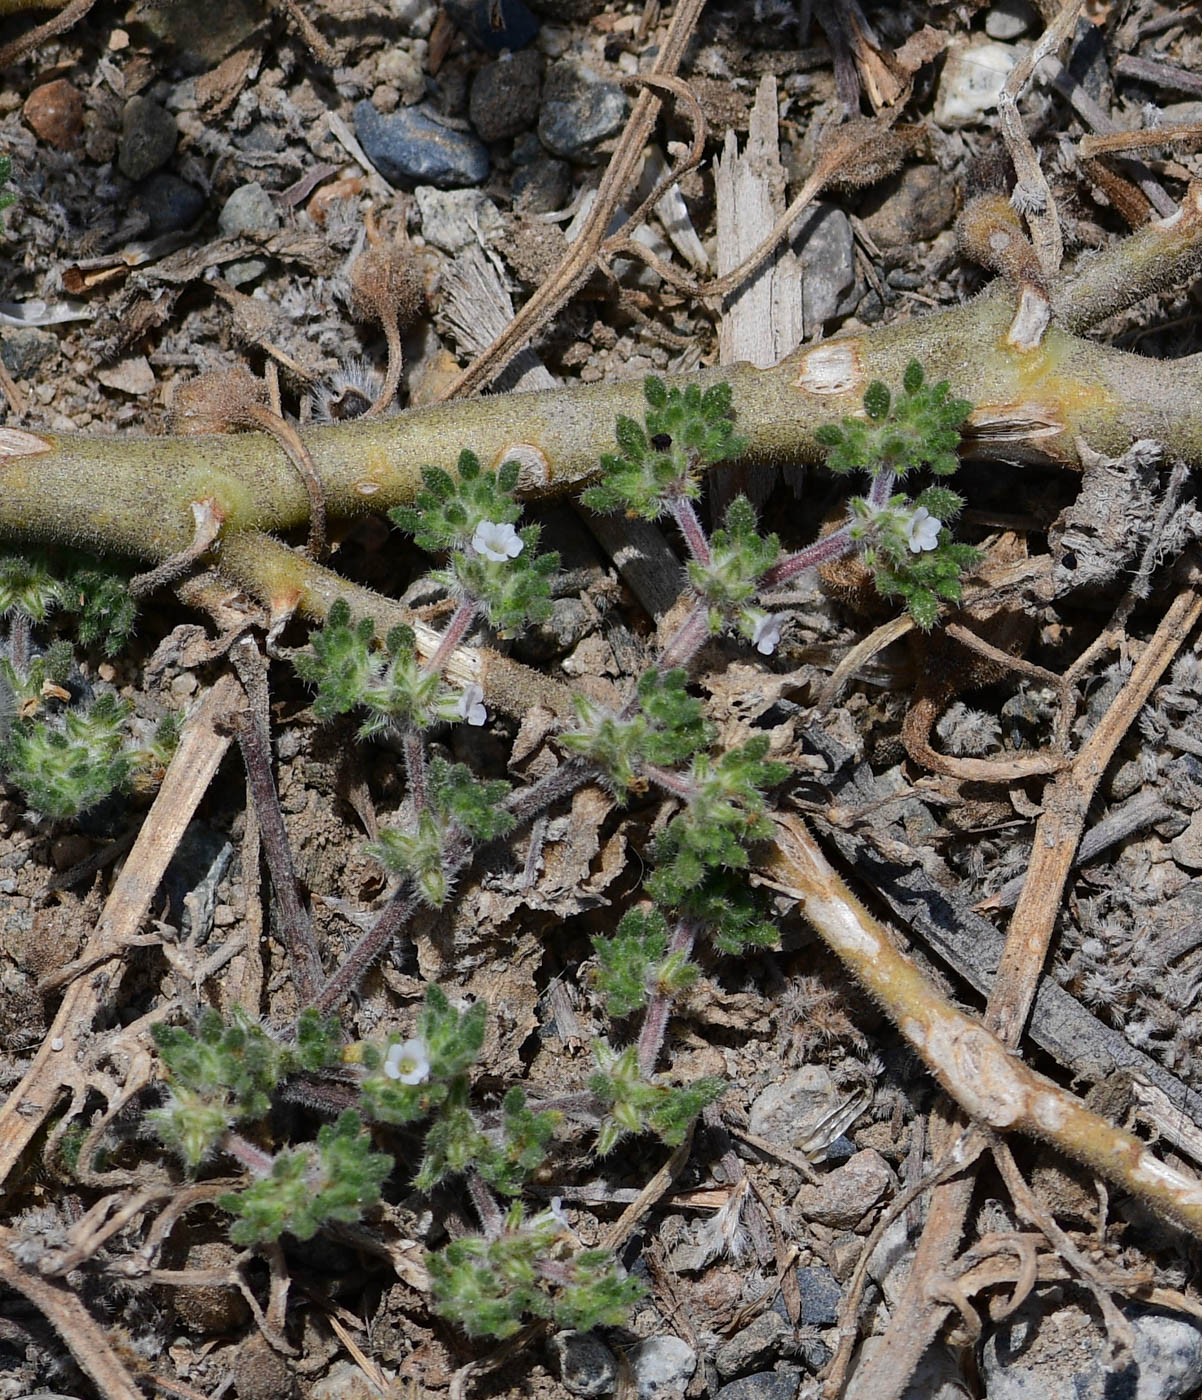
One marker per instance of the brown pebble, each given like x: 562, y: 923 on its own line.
x: 55, y: 112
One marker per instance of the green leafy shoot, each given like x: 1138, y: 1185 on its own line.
x: 635, y: 964
x: 530, y: 1270
x: 6, y: 170
x: 102, y: 605
x: 635, y: 1104
x: 351, y: 670
x: 471, y: 515
x: 666, y: 729
x: 458, y: 802
x: 334, y: 1179
x: 27, y: 584
x: 662, y: 458
x: 409, y: 1080
x: 223, y: 1072
x: 722, y: 816
x: 68, y: 763
x: 740, y: 556
x: 918, y: 429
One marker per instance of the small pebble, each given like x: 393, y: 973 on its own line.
x: 973, y: 77
x: 170, y: 203
x: 248, y: 210
x: 505, y: 94
x: 756, y: 1345
x: 827, y: 256
x: 55, y: 112
x: 764, y: 1385
x: 1008, y: 19
x: 844, y: 1195
x: 24, y: 350
x: 912, y: 207
x: 662, y: 1367
x: 587, y: 1367
x: 821, y: 1295
x: 148, y: 136
x: 450, y: 218
x: 542, y: 186
x: 410, y: 147
x: 493, y: 25
x: 579, y: 109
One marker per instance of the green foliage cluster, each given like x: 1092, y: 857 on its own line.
x: 918, y: 429
x: 458, y: 802
x: 723, y: 815
x: 683, y: 431
x: 6, y: 170
x: 667, y: 727
x: 99, y: 600
x: 351, y: 671
x: 635, y: 963
x: 336, y: 1178
x: 223, y: 1073
x: 491, y: 1285
x: 636, y: 1103
x: 447, y: 516
x: 64, y: 757
x: 70, y: 764
x: 740, y: 557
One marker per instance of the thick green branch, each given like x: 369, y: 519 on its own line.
x: 135, y: 495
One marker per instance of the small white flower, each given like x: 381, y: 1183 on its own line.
x: 408, y: 1061
x: 766, y: 636
x: 470, y: 706
x: 924, y: 530
x: 558, y: 1213
x: 497, y: 542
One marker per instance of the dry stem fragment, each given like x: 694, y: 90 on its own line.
x: 988, y: 1081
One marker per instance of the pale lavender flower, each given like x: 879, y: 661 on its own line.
x: 497, y: 541
x: 924, y: 530
x: 408, y: 1061
x: 470, y: 705
x: 765, y: 636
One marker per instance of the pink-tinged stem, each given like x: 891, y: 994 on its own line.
x: 254, y: 1159
x: 461, y: 620
x: 655, y: 1022
x: 881, y: 489
x: 491, y: 1217
x: 688, y: 640
x: 690, y: 528
x: 413, y: 749
x: 675, y: 783
x: 824, y: 551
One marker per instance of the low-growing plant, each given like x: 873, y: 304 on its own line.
x: 222, y: 1077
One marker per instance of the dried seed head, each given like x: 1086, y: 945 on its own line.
x: 221, y: 401
x: 863, y: 151
x: 387, y: 285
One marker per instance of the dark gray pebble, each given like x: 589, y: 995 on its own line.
x: 408, y: 147
x: 170, y: 203
x: 579, y: 109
